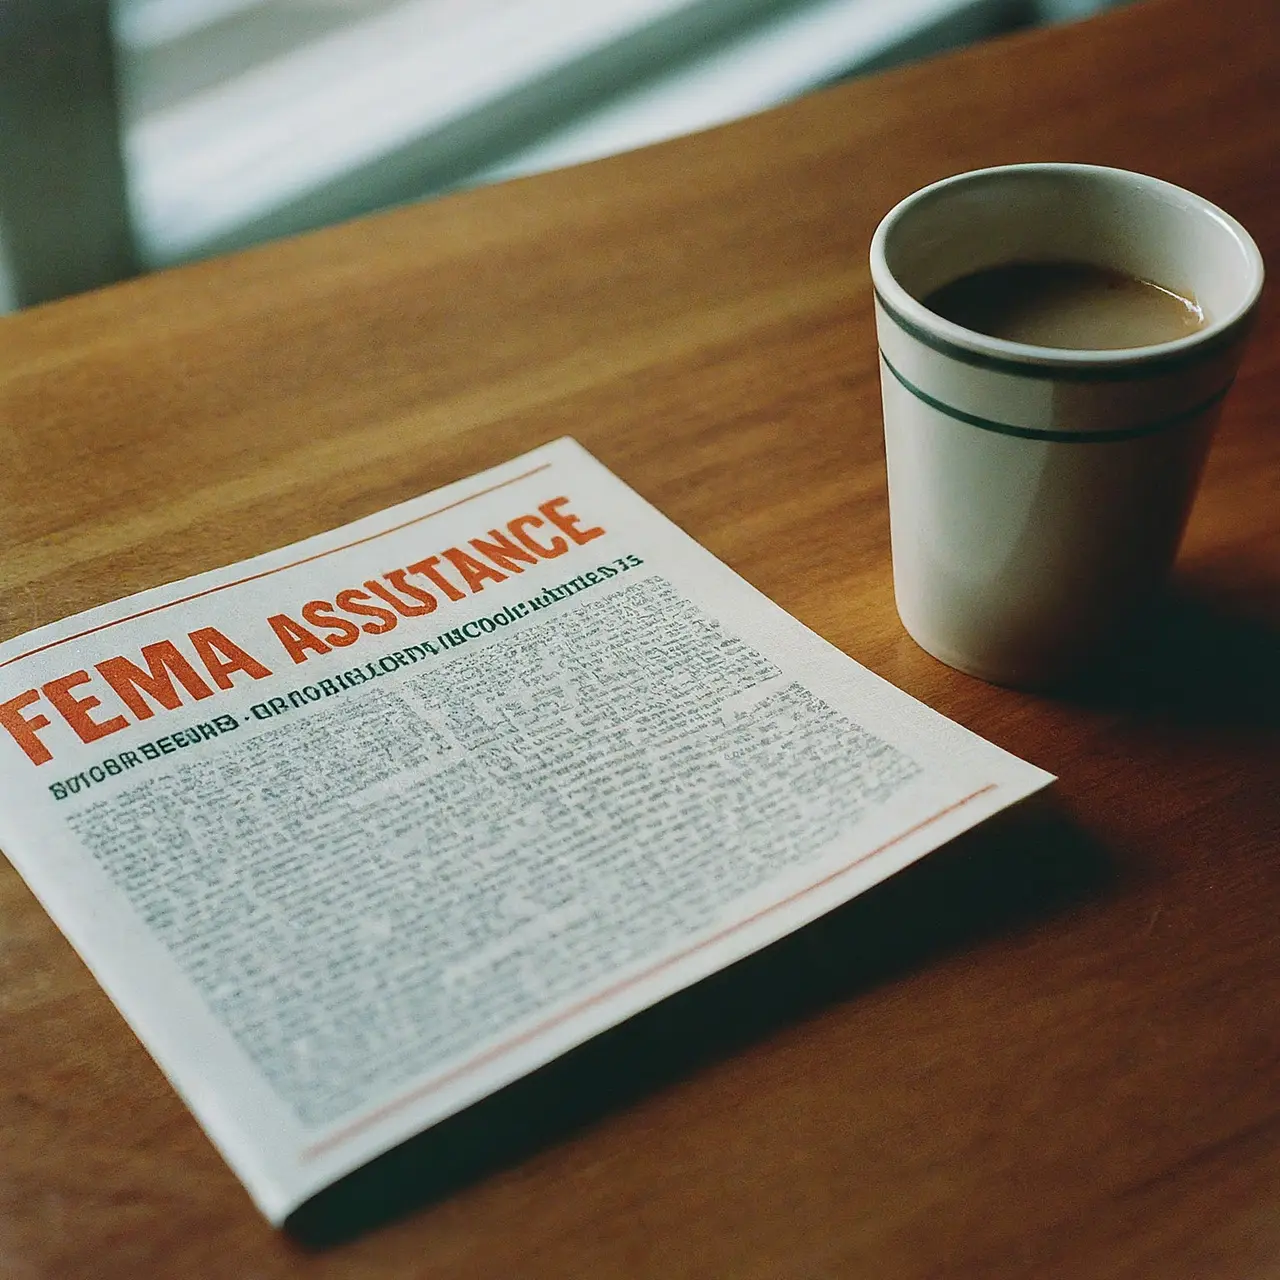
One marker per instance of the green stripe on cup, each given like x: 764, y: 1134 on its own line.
x: 1149, y: 367
x: 1058, y: 437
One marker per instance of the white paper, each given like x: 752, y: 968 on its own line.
x: 347, y: 872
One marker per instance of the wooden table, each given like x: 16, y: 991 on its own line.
x: 1052, y: 1049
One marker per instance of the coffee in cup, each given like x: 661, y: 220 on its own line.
x: 1074, y: 305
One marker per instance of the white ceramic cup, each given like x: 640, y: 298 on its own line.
x: 1037, y: 495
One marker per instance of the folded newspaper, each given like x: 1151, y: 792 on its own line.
x: 359, y: 831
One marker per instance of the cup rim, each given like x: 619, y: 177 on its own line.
x: 913, y: 315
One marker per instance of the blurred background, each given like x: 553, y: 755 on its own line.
x: 136, y: 134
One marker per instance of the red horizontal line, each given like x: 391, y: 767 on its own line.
x: 266, y: 573
x: 433, y: 1086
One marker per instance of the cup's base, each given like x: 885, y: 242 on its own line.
x: 1029, y: 678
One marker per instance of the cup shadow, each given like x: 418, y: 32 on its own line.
x: 1202, y: 660
x: 1027, y: 864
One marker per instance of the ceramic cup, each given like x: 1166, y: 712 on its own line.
x: 1037, y: 495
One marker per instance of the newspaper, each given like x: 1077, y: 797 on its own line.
x: 358, y: 831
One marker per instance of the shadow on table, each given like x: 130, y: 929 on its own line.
x: 1204, y: 661
x: 1025, y: 864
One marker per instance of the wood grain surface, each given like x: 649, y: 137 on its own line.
x: 1052, y: 1049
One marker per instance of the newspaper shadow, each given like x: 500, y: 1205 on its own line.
x: 1203, y: 661
x: 1025, y: 864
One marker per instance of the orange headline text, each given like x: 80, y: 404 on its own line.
x: 119, y: 691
